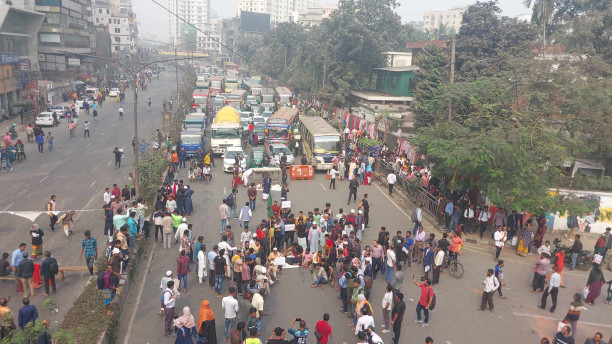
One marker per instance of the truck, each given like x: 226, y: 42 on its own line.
x: 226, y: 130
x: 195, y: 121
x: 191, y: 141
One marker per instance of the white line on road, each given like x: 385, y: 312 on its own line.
x: 324, y: 189
x: 224, y: 191
x: 101, y: 134
x: 114, y: 124
x: 398, y: 207
x: 92, y: 184
x: 42, y: 180
x: 110, y: 162
x: 88, y: 145
x: 557, y: 319
x: 7, y: 207
x: 135, y: 307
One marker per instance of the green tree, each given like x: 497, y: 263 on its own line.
x: 542, y: 14
x: 433, y: 62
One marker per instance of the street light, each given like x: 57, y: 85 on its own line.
x: 134, y: 79
x: 174, y: 47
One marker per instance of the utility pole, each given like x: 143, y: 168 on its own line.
x: 324, y: 67
x: 176, y: 73
x: 285, y: 57
x: 452, y: 77
x: 136, y: 143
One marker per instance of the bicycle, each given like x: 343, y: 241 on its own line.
x: 455, y: 269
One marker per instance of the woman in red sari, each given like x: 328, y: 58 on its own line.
x: 367, y: 179
x: 540, y: 232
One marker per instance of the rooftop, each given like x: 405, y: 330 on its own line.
x: 399, y: 69
x: 421, y: 44
x: 374, y: 95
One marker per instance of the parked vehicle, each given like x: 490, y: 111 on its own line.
x: 584, y: 258
x: 275, y: 151
x: 256, y: 157
x: 45, y: 119
x: 114, y: 92
x: 229, y: 158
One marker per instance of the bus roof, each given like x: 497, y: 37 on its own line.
x: 283, y: 116
x: 317, y: 126
x: 267, y: 91
x: 283, y: 90
x: 238, y: 92
x: 217, y: 78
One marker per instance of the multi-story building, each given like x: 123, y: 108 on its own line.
x: 451, y: 19
x: 279, y: 10
x: 315, y: 15
x: 120, y: 30
x: 209, y: 41
x: 19, y: 24
x: 248, y: 26
x: 196, y: 12
x: 118, y: 19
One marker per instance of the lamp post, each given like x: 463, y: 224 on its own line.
x: 134, y: 74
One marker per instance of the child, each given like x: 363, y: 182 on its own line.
x: 191, y: 174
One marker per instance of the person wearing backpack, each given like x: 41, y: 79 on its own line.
x: 48, y: 270
x: 426, y: 300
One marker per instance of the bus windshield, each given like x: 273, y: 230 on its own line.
x: 278, y: 133
x: 328, y: 144
x: 216, y: 83
x: 225, y: 133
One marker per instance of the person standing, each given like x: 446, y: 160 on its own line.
x: 25, y: 271
x: 553, y: 289
x: 89, y: 248
x: 483, y: 220
x: 594, y: 283
x: 366, y: 210
x: 425, y: 300
x: 353, y: 185
x: 499, y: 274
x: 398, y: 316
x: 387, y: 306
x: 169, y: 298
x: 182, y: 269
x: 333, y: 173
x: 27, y: 314
x: 40, y: 140
x: 86, y: 128
x: 299, y: 335
x: 500, y: 238
x: 576, y: 249
x: 252, y: 194
x: 51, y: 209
x: 324, y: 330
x: 224, y: 211
x: 211, y: 266
x: 50, y: 141
x: 36, y: 235
x: 48, y: 269
x: 221, y: 274
x: 118, y: 154
x: 539, y: 275
x: 245, y: 215
x: 231, y: 308
x: 490, y: 286
x: 565, y: 336
x: 438, y: 264
x: 391, y: 179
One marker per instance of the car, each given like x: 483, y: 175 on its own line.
x: 45, y: 119
x: 60, y: 110
x: 258, y: 119
x: 260, y: 129
x: 276, y: 148
x: 83, y: 99
x: 229, y: 158
x: 114, y: 92
x: 246, y: 114
x: 244, y: 123
x: 256, y: 157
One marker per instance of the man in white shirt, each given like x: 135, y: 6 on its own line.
x: 181, y: 230
x: 245, y: 215
x: 553, y: 289
x: 544, y: 248
x: 107, y: 196
x: 419, y: 243
x: 332, y: 177
x: 231, y: 308
x: 391, y: 179
x: 387, y: 306
x: 468, y: 215
x: 390, y: 264
x: 258, y: 303
x: 437, y: 268
x: 483, y: 220
x: 365, y: 321
x: 419, y: 218
x: 245, y: 236
x: 490, y: 286
x: 500, y: 238
x: 169, y: 303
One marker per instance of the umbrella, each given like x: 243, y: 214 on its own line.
x: 79, y: 82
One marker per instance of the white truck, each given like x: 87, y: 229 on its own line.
x: 225, y: 130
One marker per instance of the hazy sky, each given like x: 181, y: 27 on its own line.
x: 154, y: 20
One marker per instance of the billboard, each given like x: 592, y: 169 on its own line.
x: 254, y: 22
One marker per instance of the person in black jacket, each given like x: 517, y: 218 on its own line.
x: 48, y: 269
x: 25, y: 271
x: 576, y: 250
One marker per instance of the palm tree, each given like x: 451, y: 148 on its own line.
x: 543, y: 11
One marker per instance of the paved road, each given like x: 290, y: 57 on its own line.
x: 456, y: 318
x: 77, y: 171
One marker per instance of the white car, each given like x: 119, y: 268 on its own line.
x: 229, y: 158
x: 84, y: 99
x: 258, y: 119
x: 60, y: 110
x: 45, y: 119
x: 114, y: 92
x: 276, y: 149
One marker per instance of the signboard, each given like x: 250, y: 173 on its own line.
x: 9, y: 58
x: 279, y: 121
x: 167, y: 122
x: 72, y: 62
x: 327, y: 138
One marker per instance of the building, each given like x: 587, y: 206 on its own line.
x: 196, y: 12
x: 451, y: 19
x: 398, y: 58
x: 19, y: 24
x: 315, y: 15
x: 209, y: 41
x: 65, y: 35
x: 280, y: 11
x: 415, y: 47
x: 248, y: 25
x: 121, y: 33
x: 118, y: 19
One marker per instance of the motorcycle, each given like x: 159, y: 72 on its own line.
x: 583, y: 262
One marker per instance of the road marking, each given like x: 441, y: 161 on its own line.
x: 389, y: 198
x: 110, y: 162
x: 101, y: 134
x: 88, y: 145
x: 114, y: 124
x: 135, y: 307
x: 92, y: 184
x: 324, y: 189
x: 557, y: 319
x: 224, y: 191
x: 42, y: 180
x: 8, y: 206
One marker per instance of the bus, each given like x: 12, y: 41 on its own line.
x: 321, y: 142
x: 284, y: 96
x: 236, y: 99
x: 231, y: 83
x: 279, y: 127
x: 267, y: 96
x: 217, y: 85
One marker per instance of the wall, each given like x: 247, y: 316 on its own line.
x: 397, y: 83
x: 605, y: 209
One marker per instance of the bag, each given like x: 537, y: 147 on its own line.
x: 413, y: 216
x: 597, y: 258
x: 319, y: 335
x: 54, y: 268
x: 230, y: 200
x: 368, y: 283
x: 515, y: 240
x: 585, y: 292
x: 560, y: 325
x: 432, y: 305
x: 100, y: 280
